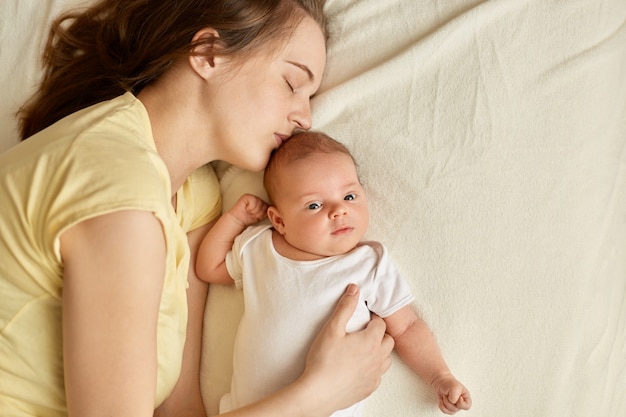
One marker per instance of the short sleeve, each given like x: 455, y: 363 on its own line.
x: 390, y: 291
x: 235, y: 258
x: 200, y: 201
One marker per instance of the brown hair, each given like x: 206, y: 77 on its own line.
x: 114, y: 46
x: 301, y: 145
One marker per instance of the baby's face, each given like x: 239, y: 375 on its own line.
x: 323, y: 205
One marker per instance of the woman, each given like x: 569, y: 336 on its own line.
x: 105, y: 203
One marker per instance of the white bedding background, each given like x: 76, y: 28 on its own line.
x: 491, y: 136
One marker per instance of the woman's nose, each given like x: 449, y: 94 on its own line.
x: 301, y: 116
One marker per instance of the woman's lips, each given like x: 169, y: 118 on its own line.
x: 280, y: 139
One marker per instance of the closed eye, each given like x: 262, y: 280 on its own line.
x: 291, y: 88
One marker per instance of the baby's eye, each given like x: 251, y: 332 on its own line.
x: 350, y: 197
x: 314, y: 206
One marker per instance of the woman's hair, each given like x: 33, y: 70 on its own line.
x: 115, y: 46
x: 300, y: 146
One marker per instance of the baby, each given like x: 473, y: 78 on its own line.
x: 293, y: 269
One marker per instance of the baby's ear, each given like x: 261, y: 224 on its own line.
x: 273, y: 214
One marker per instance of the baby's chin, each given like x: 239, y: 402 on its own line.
x: 307, y: 254
x: 304, y: 252
x: 339, y: 250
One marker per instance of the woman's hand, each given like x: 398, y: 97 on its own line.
x: 347, y: 368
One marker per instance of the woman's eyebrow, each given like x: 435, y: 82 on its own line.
x: 303, y: 68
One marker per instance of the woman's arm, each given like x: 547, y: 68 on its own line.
x: 186, y: 399
x: 210, y: 264
x: 114, y: 266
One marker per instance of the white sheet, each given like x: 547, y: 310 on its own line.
x: 491, y: 137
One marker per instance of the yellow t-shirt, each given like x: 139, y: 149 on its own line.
x: 99, y: 160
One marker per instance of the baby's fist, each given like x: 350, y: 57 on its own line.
x: 451, y: 394
x: 249, y: 209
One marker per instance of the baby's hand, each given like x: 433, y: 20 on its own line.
x: 248, y: 210
x: 452, y: 395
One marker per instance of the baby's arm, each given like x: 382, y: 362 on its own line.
x: 210, y: 263
x: 417, y: 347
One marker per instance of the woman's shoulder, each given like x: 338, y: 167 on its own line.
x: 112, y: 142
x: 119, y: 128
x: 105, y: 133
x: 99, y: 158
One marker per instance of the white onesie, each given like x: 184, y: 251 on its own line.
x: 286, y: 302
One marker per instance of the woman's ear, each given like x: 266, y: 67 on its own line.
x: 276, y: 218
x: 204, y: 57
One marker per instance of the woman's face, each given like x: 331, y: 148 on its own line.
x: 258, y: 105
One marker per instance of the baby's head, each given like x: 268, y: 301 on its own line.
x: 318, y: 203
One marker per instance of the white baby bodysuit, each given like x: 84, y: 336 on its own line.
x: 286, y: 302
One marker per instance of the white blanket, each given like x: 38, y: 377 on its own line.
x: 491, y: 137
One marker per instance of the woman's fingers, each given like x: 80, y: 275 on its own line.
x: 348, y: 367
x: 378, y: 329
x: 344, y: 310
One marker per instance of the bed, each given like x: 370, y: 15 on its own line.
x: 491, y: 137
